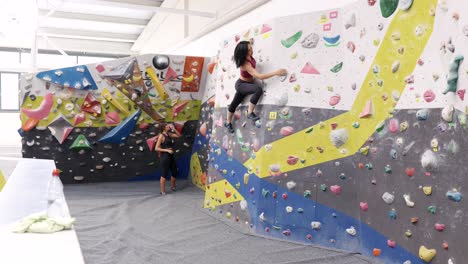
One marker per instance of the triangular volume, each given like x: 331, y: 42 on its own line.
x: 91, y: 105
x: 265, y: 28
x: 178, y: 108
x: 309, y: 69
x: 120, y: 133
x: 60, y: 128
x: 81, y: 143
x: 170, y: 75
x: 77, y: 77
x: 368, y: 110
x: 152, y: 142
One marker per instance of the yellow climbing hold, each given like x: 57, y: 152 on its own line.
x: 2, y: 181
x: 427, y: 254
x: 427, y: 190
x: 403, y: 23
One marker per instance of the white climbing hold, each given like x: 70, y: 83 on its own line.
x: 262, y: 217
x: 395, y: 66
x: 316, y: 225
x: 352, y: 231
x: 339, y: 137
x: 243, y: 205
x: 351, y: 22
x: 408, y: 201
x: 282, y: 99
x: 407, y: 262
x: 450, y: 261
x: 405, y: 4
x: 447, y: 113
x: 290, y: 185
x: 388, y: 198
x: 289, y: 209
x: 429, y: 160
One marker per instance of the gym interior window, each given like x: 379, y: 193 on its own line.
x: 9, y: 91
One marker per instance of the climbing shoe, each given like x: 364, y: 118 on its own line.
x: 253, y: 117
x: 229, y: 127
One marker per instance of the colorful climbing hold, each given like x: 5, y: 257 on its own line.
x: 287, y: 43
x: 427, y: 254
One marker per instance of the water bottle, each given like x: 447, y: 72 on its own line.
x: 55, y: 188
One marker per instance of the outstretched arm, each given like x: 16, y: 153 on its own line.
x: 262, y: 76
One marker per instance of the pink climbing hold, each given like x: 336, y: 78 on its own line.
x: 203, y: 129
x: 170, y: 75
x: 439, y: 227
x: 393, y: 126
x: 284, y: 196
x: 43, y: 110
x: 112, y: 118
x: 265, y: 28
x: 309, y: 69
x: 286, y: 131
x: 151, y: 142
x: 178, y: 108
x: 429, y: 96
x: 309, y: 237
x: 219, y: 123
x: 179, y: 125
x: 256, y: 145
x: 292, y: 78
x: 351, y: 46
x: 461, y: 94
x: 336, y: 189
x: 364, y: 206
x: 391, y: 243
x: 368, y: 109
x: 334, y: 100
x: 79, y: 118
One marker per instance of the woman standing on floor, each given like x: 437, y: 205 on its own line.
x: 245, y: 85
x: 165, y: 146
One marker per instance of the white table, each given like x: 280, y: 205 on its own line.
x: 25, y: 193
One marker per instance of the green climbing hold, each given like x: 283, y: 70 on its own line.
x: 307, y: 193
x: 388, y: 169
x: 432, y: 209
x: 342, y: 176
x: 287, y: 43
x: 452, y: 78
x: 323, y: 187
x: 265, y: 193
x: 380, y: 127
x: 388, y: 7
x: 369, y: 166
x: 310, y: 129
x: 81, y: 143
x: 356, y: 125
x: 337, y: 68
x: 277, y: 228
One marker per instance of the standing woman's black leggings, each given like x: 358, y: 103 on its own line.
x: 244, y: 88
x: 167, y: 162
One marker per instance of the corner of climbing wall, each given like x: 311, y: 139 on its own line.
x: 100, y: 122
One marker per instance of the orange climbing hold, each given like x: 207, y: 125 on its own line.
x: 376, y: 252
x: 30, y: 124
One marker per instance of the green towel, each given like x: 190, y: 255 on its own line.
x: 42, y: 223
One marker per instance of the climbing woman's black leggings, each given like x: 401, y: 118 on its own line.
x: 244, y: 88
x: 167, y: 162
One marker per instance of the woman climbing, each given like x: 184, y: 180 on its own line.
x: 165, y: 146
x: 245, y: 85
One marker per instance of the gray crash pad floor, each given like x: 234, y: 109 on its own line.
x: 131, y: 223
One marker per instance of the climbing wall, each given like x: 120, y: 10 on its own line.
x: 360, y: 146
x: 100, y: 122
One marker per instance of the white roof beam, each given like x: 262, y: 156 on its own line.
x: 94, y: 18
x: 145, y: 7
x: 87, y: 35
